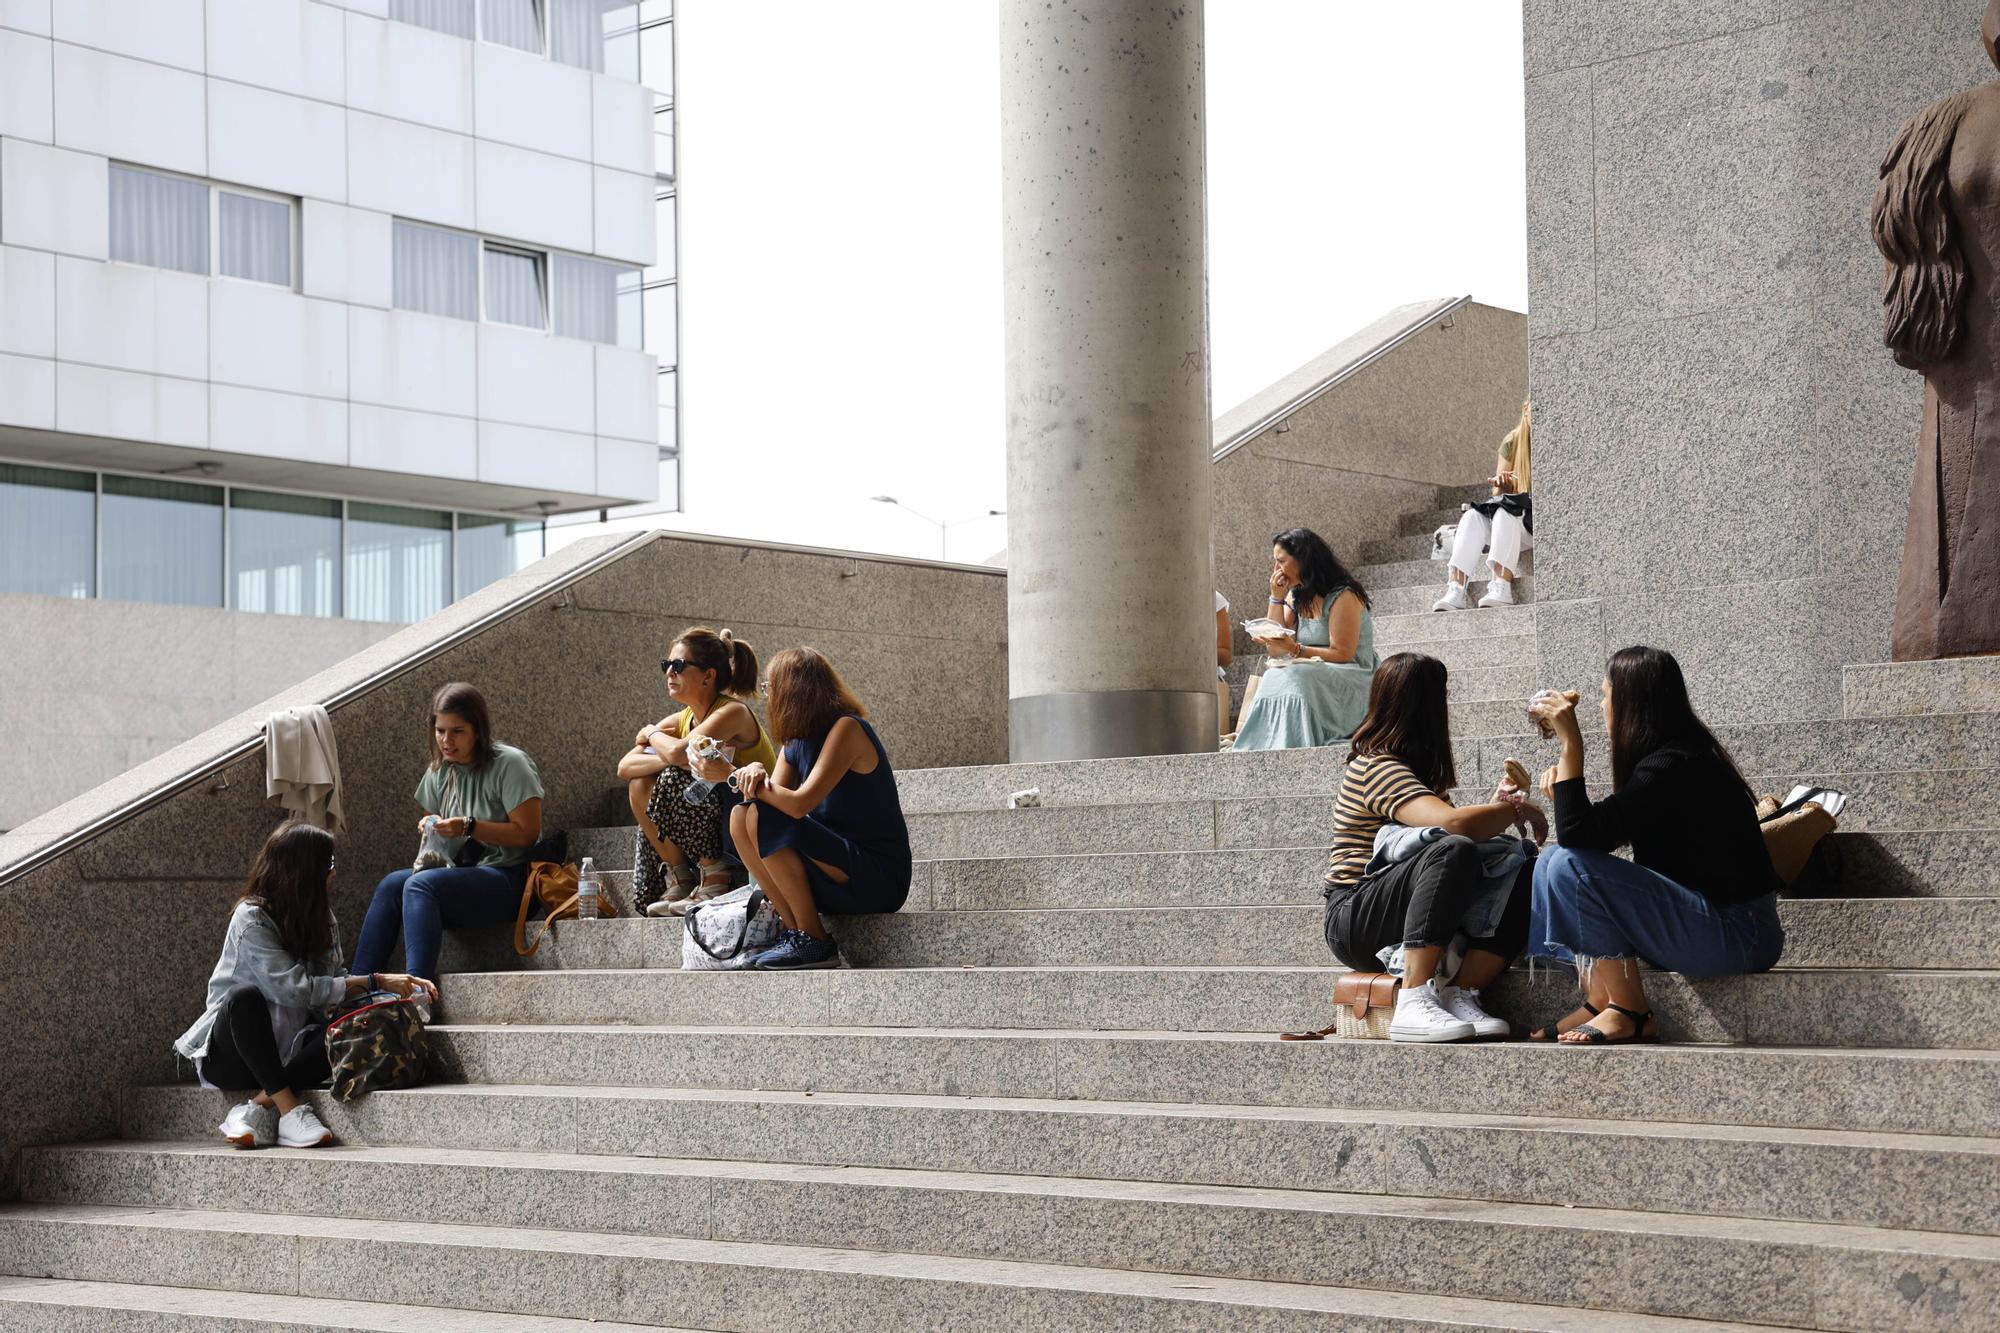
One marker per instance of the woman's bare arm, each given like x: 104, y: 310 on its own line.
x: 846, y: 748
x: 1343, y: 631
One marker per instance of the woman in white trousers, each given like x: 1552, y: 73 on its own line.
x: 1493, y: 529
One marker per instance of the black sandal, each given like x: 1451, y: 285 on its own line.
x: 1593, y: 1036
x: 1550, y: 1030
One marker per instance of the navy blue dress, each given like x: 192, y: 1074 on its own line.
x: 859, y: 829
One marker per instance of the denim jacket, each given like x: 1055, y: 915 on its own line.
x: 253, y: 955
x: 1500, y: 859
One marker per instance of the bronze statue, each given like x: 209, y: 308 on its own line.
x: 1937, y: 222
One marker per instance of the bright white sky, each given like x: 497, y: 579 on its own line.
x: 840, y: 248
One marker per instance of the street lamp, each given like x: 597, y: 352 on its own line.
x: 943, y: 526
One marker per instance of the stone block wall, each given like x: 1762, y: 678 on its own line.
x: 1723, y: 446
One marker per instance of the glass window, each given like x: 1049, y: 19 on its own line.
x: 162, y: 541
x: 48, y: 532
x: 670, y: 483
x: 159, y: 220
x: 670, y: 438
x: 578, y: 32
x: 515, y: 23
x: 452, y: 16
x: 492, y: 548
x: 663, y: 144
x: 652, y: 11
x: 597, y: 300
x: 255, y: 238
x: 284, y: 554
x: 666, y: 214
x: 514, y: 288
x: 656, y: 58
x: 662, y: 335
x: 398, y: 563
x: 435, y: 271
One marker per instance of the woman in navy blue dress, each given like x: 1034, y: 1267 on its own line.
x: 825, y: 832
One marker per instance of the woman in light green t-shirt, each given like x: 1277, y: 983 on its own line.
x: 487, y: 800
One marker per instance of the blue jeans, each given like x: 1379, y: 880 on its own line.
x: 1592, y: 905
x: 420, y: 904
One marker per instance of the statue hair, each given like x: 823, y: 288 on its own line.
x: 1923, y: 290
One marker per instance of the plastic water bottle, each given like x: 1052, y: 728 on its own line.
x: 706, y: 747
x: 586, y: 891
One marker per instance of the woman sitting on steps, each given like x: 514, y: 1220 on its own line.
x: 1699, y: 896
x: 1497, y: 527
x: 1316, y: 689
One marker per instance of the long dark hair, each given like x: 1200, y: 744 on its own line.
x: 1650, y: 711
x: 464, y: 701
x: 1409, y: 720
x: 288, y: 881
x: 1320, y: 570
x: 807, y: 696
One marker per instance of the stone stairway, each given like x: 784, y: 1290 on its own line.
x: 1047, y: 1094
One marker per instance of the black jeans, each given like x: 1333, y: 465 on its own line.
x: 243, y: 1050
x: 1419, y: 903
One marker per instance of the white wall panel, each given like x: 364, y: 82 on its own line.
x: 27, y: 392
x: 528, y: 196
x: 379, y: 8
x: 621, y: 124
x: 276, y: 142
x: 398, y: 358
x: 166, y: 31
x: 30, y: 15
x: 277, y: 425
x: 27, y: 72
x: 345, y: 254
x: 53, y: 199
x: 625, y: 226
x: 131, y: 110
x: 530, y: 101
x: 409, y: 170
x: 27, y: 302
x: 132, y: 318
x: 389, y: 439
x: 524, y: 456
x: 286, y: 45
x: 410, y: 73
x: 127, y: 405
x: 531, y: 379
x: 628, y: 393
x: 629, y: 471
x: 265, y: 337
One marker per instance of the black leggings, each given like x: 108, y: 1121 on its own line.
x: 243, y: 1050
x: 1419, y: 903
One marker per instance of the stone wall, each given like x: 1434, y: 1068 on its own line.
x: 1723, y: 446
x: 107, y: 946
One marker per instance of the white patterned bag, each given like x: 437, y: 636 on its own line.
x: 723, y: 933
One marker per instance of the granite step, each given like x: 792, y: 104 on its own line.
x: 1906, y: 689
x: 1417, y: 599
x: 1075, y: 1216
x: 726, y: 1284
x: 58, y: 1305
x: 1424, y: 522
x: 1396, y: 632
x: 1410, y: 546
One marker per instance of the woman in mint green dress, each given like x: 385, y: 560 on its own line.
x: 1315, y: 689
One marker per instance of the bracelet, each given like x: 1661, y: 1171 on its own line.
x: 1276, y: 601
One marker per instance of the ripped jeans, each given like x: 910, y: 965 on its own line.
x: 1592, y: 905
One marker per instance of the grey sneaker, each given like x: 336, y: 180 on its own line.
x: 300, y: 1127
x: 251, y: 1125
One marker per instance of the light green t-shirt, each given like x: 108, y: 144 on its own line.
x: 489, y: 793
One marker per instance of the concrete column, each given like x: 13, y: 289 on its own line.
x: 1110, y: 598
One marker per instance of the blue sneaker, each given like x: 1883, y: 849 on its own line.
x: 795, y: 949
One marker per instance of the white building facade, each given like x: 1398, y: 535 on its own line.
x: 322, y: 307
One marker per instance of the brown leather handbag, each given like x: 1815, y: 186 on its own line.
x: 1364, y: 1003
x: 554, y: 886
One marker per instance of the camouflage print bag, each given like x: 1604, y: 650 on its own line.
x: 378, y: 1043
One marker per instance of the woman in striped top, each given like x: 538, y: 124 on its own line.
x: 1400, y: 770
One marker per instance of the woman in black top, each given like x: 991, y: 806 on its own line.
x: 1699, y: 896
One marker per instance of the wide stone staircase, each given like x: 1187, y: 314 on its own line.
x: 1048, y: 1094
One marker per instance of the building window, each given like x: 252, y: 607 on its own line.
x: 515, y: 23
x: 593, y: 34
x: 48, y: 531
x: 284, y: 554
x: 159, y: 220
x: 436, y: 271
x: 597, y: 300
x: 491, y: 548
x: 514, y: 288
x: 447, y: 16
x: 662, y: 323
x: 162, y: 541
x: 656, y: 58
x: 253, y: 238
x: 398, y: 562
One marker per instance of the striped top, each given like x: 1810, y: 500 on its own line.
x: 1371, y: 789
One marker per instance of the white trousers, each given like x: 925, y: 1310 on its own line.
x: 1503, y: 532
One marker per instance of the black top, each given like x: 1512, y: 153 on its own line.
x: 1686, y: 816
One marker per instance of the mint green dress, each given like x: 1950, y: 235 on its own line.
x: 1309, y: 702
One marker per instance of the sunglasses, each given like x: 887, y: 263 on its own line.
x: 673, y: 666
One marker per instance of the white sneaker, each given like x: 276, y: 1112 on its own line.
x: 1454, y: 599
x: 1500, y: 592
x: 1464, y: 1006
x: 250, y: 1125
x: 300, y: 1127
x: 1419, y: 1017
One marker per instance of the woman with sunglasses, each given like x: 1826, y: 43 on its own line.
x: 710, y: 675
